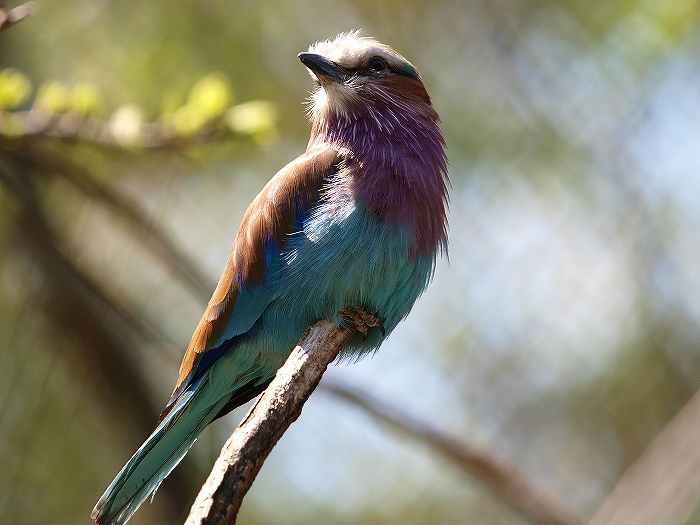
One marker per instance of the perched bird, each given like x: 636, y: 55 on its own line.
x: 353, y: 224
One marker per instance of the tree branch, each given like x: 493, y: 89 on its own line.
x: 663, y: 485
x: 72, y: 126
x: 9, y: 17
x: 242, y: 457
x: 506, y: 478
x: 280, y: 405
x: 155, y: 238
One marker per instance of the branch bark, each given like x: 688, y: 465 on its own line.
x: 515, y: 487
x: 9, y: 17
x: 280, y: 405
x: 663, y: 485
x: 36, y: 123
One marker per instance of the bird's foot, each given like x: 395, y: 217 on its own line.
x: 361, y: 320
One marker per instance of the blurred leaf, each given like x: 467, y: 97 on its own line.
x: 52, y: 97
x: 14, y: 88
x: 83, y: 99
x: 210, y: 96
x: 257, y: 118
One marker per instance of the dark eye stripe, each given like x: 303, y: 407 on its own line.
x: 409, y: 71
x: 377, y: 64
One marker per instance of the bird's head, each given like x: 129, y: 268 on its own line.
x: 371, y: 105
x: 351, y: 71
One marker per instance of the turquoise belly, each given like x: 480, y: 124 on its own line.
x: 345, y: 257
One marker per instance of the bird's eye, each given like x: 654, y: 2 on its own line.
x: 377, y: 64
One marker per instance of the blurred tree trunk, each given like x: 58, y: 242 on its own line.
x: 79, y: 307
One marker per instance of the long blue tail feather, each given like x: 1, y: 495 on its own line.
x: 157, y: 457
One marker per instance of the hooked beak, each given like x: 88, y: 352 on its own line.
x: 322, y: 67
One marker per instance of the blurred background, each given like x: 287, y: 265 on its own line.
x: 562, y: 332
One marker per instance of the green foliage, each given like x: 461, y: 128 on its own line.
x: 256, y: 118
x: 52, y: 97
x: 83, y: 99
x: 208, y: 109
x: 15, y: 88
x: 207, y: 101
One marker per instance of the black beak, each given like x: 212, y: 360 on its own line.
x: 322, y: 67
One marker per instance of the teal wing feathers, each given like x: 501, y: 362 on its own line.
x: 241, y: 297
x: 244, y: 290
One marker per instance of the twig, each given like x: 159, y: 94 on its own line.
x: 9, y: 17
x: 280, y: 405
x: 72, y: 126
x: 508, y: 480
x: 663, y: 485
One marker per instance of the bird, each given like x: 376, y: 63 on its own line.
x: 353, y: 226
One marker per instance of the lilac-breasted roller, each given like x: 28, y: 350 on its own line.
x: 356, y: 221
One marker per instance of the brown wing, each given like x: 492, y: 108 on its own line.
x: 270, y: 216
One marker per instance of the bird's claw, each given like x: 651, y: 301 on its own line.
x: 361, y: 320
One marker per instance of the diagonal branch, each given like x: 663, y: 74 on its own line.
x: 663, y: 485
x: 242, y: 457
x: 506, y: 478
x: 9, y: 17
x: 280, y: 405
x: 153, y: 235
